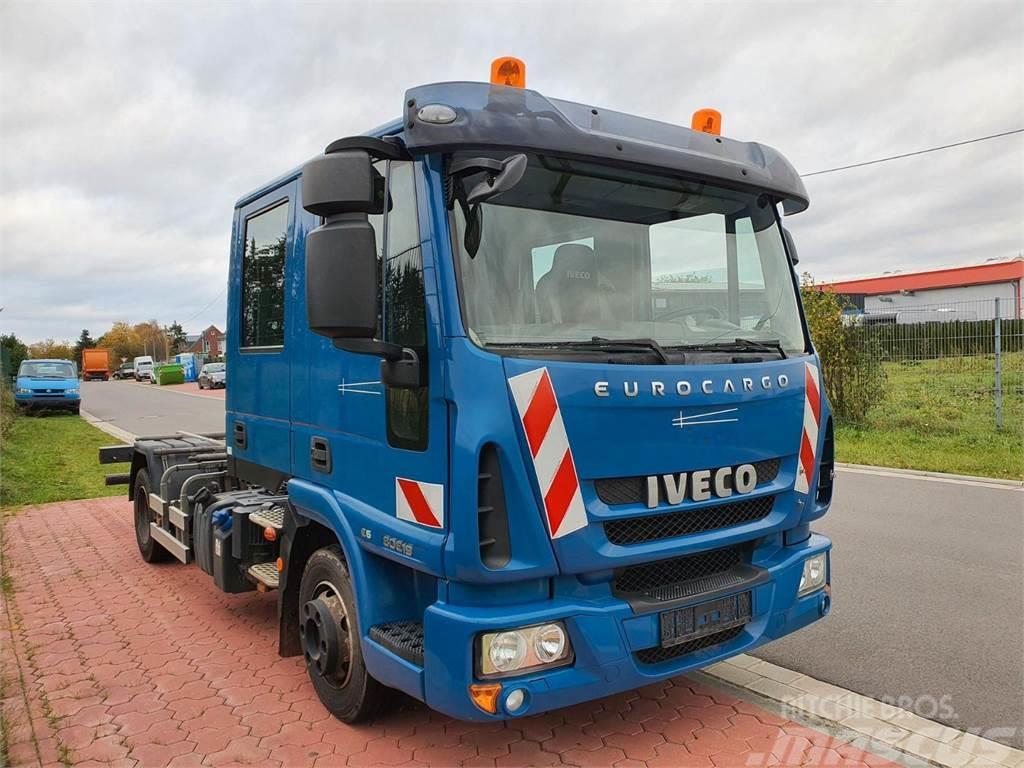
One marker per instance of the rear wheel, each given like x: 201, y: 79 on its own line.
x: 329, y: 636
x: 151, y: 551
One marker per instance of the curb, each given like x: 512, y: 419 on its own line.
x: 123, y: 435
x: 920, y: 474
x: 889, y: 729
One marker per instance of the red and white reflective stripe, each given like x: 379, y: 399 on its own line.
x: 549, y: 447
x: 418, y: 502
x: 812, y: 421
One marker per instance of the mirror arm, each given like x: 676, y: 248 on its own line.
x: 383, y: 349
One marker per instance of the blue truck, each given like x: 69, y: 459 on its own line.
x: 524, y: 409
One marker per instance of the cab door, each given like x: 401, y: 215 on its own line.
x: 258, y: 401
x: 387, y: 448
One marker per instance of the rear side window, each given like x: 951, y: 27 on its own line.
x: 263, y: 278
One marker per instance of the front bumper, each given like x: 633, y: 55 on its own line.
x: 606, y: 635
x: 62, y: 402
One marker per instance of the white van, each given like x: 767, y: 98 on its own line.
x: 143, y: 367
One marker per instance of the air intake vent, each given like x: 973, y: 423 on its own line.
x: 492, y: 514
x: 827, y: 468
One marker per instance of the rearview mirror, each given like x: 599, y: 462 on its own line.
x: 341, y: 254
x: 342, y: 182
x: 342, y: 267
x: 790, y: 246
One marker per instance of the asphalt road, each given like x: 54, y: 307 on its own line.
x: 928, y: 604
x: 928, y: 608
x: 145, y: 409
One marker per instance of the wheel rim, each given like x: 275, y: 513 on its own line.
x: 326, y: 636
x: 142, y: 516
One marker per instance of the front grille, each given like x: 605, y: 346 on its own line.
x: 615, y: 491
x: 635, y: 530
x: 659, y: 654
x: 650, y: 579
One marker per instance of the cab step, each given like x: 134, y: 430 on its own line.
x: 265, y: 574
x: 403, y: 638
x: 268, y: 517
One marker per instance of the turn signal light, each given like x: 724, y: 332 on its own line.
x: 508, y: 70
x: 485, y: 696
x: 280, y: 565
x: 707, y: 121
x: 269, y: 533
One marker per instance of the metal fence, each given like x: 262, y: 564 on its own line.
x: 959, y: 363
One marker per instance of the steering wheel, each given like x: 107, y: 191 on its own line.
x: 691, y: 312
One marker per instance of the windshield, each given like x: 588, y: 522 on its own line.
x: 45, y: 369
x: 214, y: 368
x: 578, y: 252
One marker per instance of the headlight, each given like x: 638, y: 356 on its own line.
x: 813, y: 577
x: 23, y: 391
x: 70, y: 391
x: 515, y: 651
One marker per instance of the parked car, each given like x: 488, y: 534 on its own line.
x: 125, y: 371
x: 143, y: 368
x: 48, y: 384
x: 212, y: 375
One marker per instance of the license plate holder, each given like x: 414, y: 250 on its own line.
x: 681, y: 625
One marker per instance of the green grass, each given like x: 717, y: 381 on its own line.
x: 939, y: 415
x: 53, y: 458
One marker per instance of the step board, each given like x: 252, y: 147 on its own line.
x: 265, y: 573
x: 403, y: 638
x: 268, y: 517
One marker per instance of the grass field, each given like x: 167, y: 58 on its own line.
x: 53, y: 458
x: 939, y: 415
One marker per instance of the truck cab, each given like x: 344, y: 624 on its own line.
x: 524, y: 409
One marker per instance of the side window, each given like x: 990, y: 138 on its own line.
x: 404, y: 306
x: 263, y: 278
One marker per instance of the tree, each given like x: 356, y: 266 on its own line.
x: 14, y: 351
x: 85, y: 341
x: 177, y: 336
x: 50, y: 349
x: 850, y: 360
x: 154, y: 341
x: 122, y: 340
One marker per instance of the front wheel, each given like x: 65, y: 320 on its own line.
x: 329, y: 635
x: 151, y: 551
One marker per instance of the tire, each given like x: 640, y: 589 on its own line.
x: 149, y: 549
x: 77, y: 410
x: 345, y: 688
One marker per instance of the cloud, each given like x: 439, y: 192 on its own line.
x: 128, y: 130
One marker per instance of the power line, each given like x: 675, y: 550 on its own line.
x: 208, y: 305
x: 911, y: 154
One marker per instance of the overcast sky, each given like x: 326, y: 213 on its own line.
x: 128, y: 130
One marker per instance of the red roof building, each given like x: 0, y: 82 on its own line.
x: 978, y: 285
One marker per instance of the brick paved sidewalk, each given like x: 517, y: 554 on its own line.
x: 109, y: 661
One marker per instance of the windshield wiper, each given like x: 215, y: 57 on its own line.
x: 598, y: 343
x: 626, y: 345
x: 741, y: 345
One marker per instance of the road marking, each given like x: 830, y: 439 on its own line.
x: 931, y: 477
x: 901, y: 731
